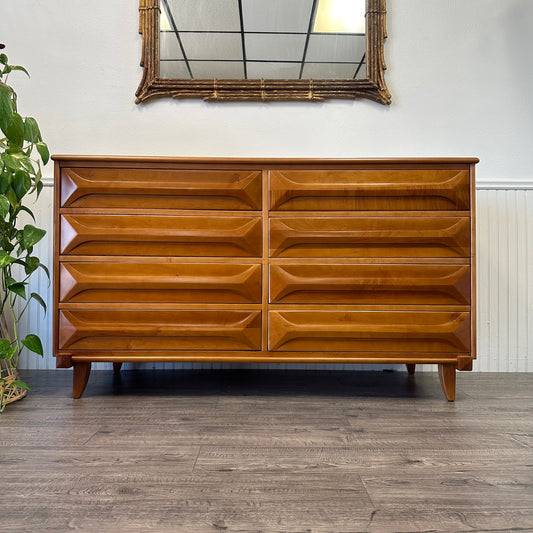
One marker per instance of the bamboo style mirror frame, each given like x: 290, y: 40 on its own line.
x: 212, y: 89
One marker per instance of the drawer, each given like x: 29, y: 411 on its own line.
x: 159, y: 283
x: 420, y: 237
x: 151, y: 235
x: 160, y: 189
x: 364, y: 331
x: 369, y: 190
x: 159, y: 330
x: 370, y: 284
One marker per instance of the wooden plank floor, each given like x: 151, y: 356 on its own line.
x: 268, y: 451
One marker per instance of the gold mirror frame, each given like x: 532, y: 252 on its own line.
x: 373, y: 87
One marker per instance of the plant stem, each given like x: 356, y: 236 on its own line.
x: 15, y: 359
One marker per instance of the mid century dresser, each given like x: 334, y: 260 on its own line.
x: 264, y: 260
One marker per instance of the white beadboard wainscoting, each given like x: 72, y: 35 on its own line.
x: 504, y: 286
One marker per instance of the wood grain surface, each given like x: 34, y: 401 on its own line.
x: 267, y: 451
x: 358, y: 190
x: 370, y: 284
x: 160, y: 189
x: 107, y: 282
x: 383, y: 237
x: 379, y: 331
x: 140, y: 331
x: 153, y: 235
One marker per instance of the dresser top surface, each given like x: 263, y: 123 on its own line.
x: 259, y: 162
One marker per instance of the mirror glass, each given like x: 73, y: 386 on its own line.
x: 263, y: 50
x: 262, y: 39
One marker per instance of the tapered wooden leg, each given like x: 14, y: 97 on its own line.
x: 117, y: 367
x: 411, y: 368
x: 447, y: 380
x: 82, y: 371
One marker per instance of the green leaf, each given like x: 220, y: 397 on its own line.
x: 18, y: 161
x: 38, y: 299
x: 32, y: 235
x: 46, y: 271
x: 5, y: 259
x: 21, y: 183
x: 18, y: 288
x: 3, y: 59
x: 19, y: 385
x: 9, y: 354
x: 5, y: 181
x: 12, y: 197
x: 4, y: 206
x: 18, y: 262
x: 12, y: 163
x: 19, y: 235
x: 43, y: 152
x: 31, y: 264
x: 28, y: 210
x: 6, y: 350
x: 18, y: 67
x: 6, y: 107
x: 15, y: 131
x: 31, y: 130
x: 39, y: 174
x: 33, y: 343
x: 7, y: 246
x: 5, y: 345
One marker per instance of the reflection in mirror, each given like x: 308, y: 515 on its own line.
x: 272, y: 39
x: 263, y: 49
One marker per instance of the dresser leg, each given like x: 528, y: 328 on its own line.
x: 117, y: 367
x: 411, y: 368
x: 447, y: 380
x: 82, y: 371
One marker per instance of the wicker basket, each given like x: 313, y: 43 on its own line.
x: 9, y: 375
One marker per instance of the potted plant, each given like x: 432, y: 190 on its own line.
x: 22, y: 151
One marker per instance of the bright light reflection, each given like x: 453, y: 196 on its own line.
x: 164, y: 24
x: 340, y: 16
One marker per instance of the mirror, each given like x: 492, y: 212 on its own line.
x: 263, y: 49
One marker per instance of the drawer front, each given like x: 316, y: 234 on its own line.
x: 159, y: 283
x: 159, y: 330
x: 370, y: 237
x: 363, y: 331
x: 370, y: 284
x: 369, y: 190
x: 160, y: 189
x: 140, y: 235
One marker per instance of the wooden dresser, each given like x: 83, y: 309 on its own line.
x: 264, y: 260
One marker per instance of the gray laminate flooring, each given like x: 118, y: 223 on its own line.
x: 268, y: 451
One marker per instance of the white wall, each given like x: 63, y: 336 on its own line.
x: 461, y: 81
